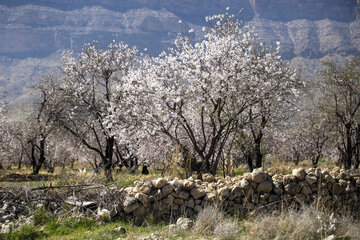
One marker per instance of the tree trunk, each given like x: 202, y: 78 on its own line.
x: 42, y: 158
x: 20, y: 160
x: 19, y: 165
x: 145, y: 170
x: 357, y: 148
x: 348, y: 156
x: 250, y: 162
x: 315, y: 161
x: 72, y: 161
x: 258, y: 153
x: 64, y: 163
x: 33, y: 157
x: 107, y: 159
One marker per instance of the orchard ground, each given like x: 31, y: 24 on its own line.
x: 311, y: 222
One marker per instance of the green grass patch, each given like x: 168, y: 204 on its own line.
x: 79, y: 228
x: 239, y: 171
x: 42, y: 217
x: 125, y: 179
x: 25, y: 233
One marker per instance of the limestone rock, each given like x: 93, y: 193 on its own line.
x: 292, y: 188
x: 350, y: 187
x: 167, y: 201
x: 278, y: 188
x: 176, y: 185
x: 306, y: 191
x: 286, y: 179
x: 207, y: 177
x: 190, y: 203
x: 344, y: 176
x: 159, y: 183
x: 237, y: 191
x: 197, y: 208
x: 188, y: 185
x: 140, y: 211
x: 250, y: 192
x: 130, y: 190
x: 143, y: 198
x: 174, y: 206
x: 182, y: 195
x: 336, y: 189
x: 326, y: 176
x: 331, y: 237
x: 197, y: 193
x: 299, y: 173
x: 210, y: 197
x: 156, y: 195
x: 7, y: 228
x: 130, y: 204
x: 179, y: 201
x: 244, y: 184
x: 184, y: 223
x: 153, y: 236
x: 265, y: 187
x: 167, y: 189
x: 300, y: 198
x: 173, y: 228
x: 343, y: 183
x: 310, y: 179
x: 258, y: 175
x: 120, y: 230
x: 273, y: 198
x: 224, y: 192
x: 143, y: 186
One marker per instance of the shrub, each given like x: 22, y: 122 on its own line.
x: 307, y: 223
x: 227, y: 230
x: 208, y: 219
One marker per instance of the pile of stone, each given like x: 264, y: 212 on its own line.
x: 172, y: 198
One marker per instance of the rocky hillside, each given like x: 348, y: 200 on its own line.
x: 35, y: 32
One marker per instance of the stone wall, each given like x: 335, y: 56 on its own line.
x: 172, y: 198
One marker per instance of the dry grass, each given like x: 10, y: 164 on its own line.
x: 212, y: 222
x: 280, y: 166
x: 227, y: 230
x: 208, y: 219
x: 308, y: 223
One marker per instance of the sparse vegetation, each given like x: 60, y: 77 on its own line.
x: 307, y: 223
x: 225, y: 106
x: 208, y: 219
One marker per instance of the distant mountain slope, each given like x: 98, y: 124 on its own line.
x: 34, y: 32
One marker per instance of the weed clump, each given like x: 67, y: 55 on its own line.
x: 307, y: 223
x: 227, y: 230
x: 208, y: 219
x: 27, y: 232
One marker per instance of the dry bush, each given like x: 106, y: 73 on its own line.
x: 211, y: 222
x: 207, y: 220
x: 307, y: 223
x: 227, y: 230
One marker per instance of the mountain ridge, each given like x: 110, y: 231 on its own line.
x: 33, y: 35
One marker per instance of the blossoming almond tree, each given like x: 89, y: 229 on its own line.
x: 274, y: 109
x: 341, y: 103
x: 86, y: 88
x: 3, y: 134
x: 198, y: 95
